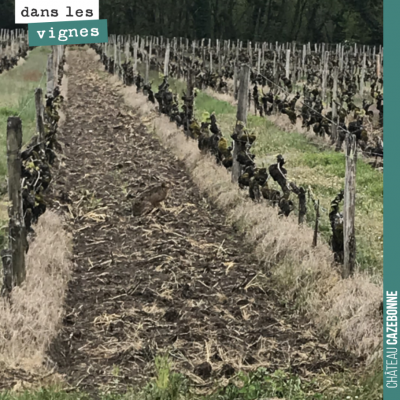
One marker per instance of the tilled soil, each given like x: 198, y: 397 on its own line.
x: 179, y: 280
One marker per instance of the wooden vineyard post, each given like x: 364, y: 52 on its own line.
x: 166, y: 60
x: 17, y: 237
x: 175, y: 46
x: 50, y: 76
x: 302, y: 205
x: 12, y: 44
x: 316, y: 226
x: 349, y: 239
x: 189, y: 96
x: 115, y: 54
x: 250, y: 53
x: 150, y: 50
x: 250, y: 98
x: 135, y: 48
x: 142, y: 45
x: 6, y: 258
x: 237, y: 54
x: 108, y: 58
x: 157, y: 49
x: 263, y: 54
x: 334, y: 105
x: 241, y: 116
x: 54, y: 51
x: 39, y: 116
x: 235, y: 80
x: 296, y: 67
x: 378, y: 65
x: 325, y: 58
x: 341, y: 58
x: 275, y: 89
x: 219, y: 57
x: 146, y: 75
x: 362, y: 77
x: 274, y: 65
x: 287, y: 63
x: 60, y: 53
x: 126, y: 52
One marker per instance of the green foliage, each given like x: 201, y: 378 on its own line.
x: 256, y: 20
x: 44, y: 394
x: 261, y: 384
x: 209, y: 104
x: 167, y: 385
x: 8, y: 111
x: 202, y: 22
x: 7, y: 12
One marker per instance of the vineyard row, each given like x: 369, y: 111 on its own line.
x: 237, y: 157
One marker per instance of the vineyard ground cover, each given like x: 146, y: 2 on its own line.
x: 311, y: 163
x: 17, y: 97
x: 30, y: 321
x: 180, y: 280
x: 167, y: 384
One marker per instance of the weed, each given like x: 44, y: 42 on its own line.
x: 260, y: 384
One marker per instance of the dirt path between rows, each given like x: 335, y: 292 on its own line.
x: 179, y: 280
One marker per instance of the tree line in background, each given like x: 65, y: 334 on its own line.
x: 330, y: 21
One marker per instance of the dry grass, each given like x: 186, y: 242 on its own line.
x: 221, y: 96
x: 346, y: 310
x: 31, y: 321
x: 31, y: 76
